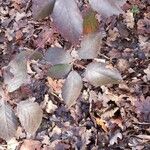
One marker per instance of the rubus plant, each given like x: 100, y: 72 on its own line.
x: 81, y: 29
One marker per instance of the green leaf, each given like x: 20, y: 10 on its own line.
x: 36, y: 56
x: 59, y: 71
x: 90, y: 23
x: 135, y: 10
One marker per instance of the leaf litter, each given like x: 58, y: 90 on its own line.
x: 94, y: 98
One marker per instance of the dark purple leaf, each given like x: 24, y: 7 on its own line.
x: 68, y: 20
x: 42, y: 9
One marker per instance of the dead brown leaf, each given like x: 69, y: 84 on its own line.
x: 31, y: 145
x: 55, y: 85
x: 102, y: 124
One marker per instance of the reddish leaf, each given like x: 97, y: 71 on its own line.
x: 90, y: 23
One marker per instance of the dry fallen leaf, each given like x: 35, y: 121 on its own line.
x: 129, y: 19
x: 107, y: 7
x: 42, y: 9
x: 114, y: 139
x: 90, y: 46
x: 71, y: 88
x: 15, y: 74
x: 58, y: 56
x: 98, y: 74
x: 142, y: 109
x: 102, y: 124
x: 8, y: 121
x: 147, y: 71
x: 56, y: 85
x: 85, y: 136
x: 12, y: 144
x: 31, y: 145
x: 30, y: 115
x: 45, y: 36
x: 68, y: 20
x: 48, y: 105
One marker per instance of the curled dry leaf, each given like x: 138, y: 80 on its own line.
x: 102, y: 124
x: 114, y: 139
x: 86, y: 135
x: 42, y: 9
x: 107, y: 7
x: 44, y: 37
x: 50, y: 107
x: 142, y: 109
x: 90, y: 46
x: 58, y: 56
x: 8, y: 121
x: 15, y: 74
x: 55, y: 85
x: 30, y: 115
x: 129, y: 19
x: 12, y: 144
x: 147, y: 71
x: 72, y: 88
x: 68, y: 20
x: 99, y: 74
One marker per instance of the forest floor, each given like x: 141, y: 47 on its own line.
x: 113, y: 117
